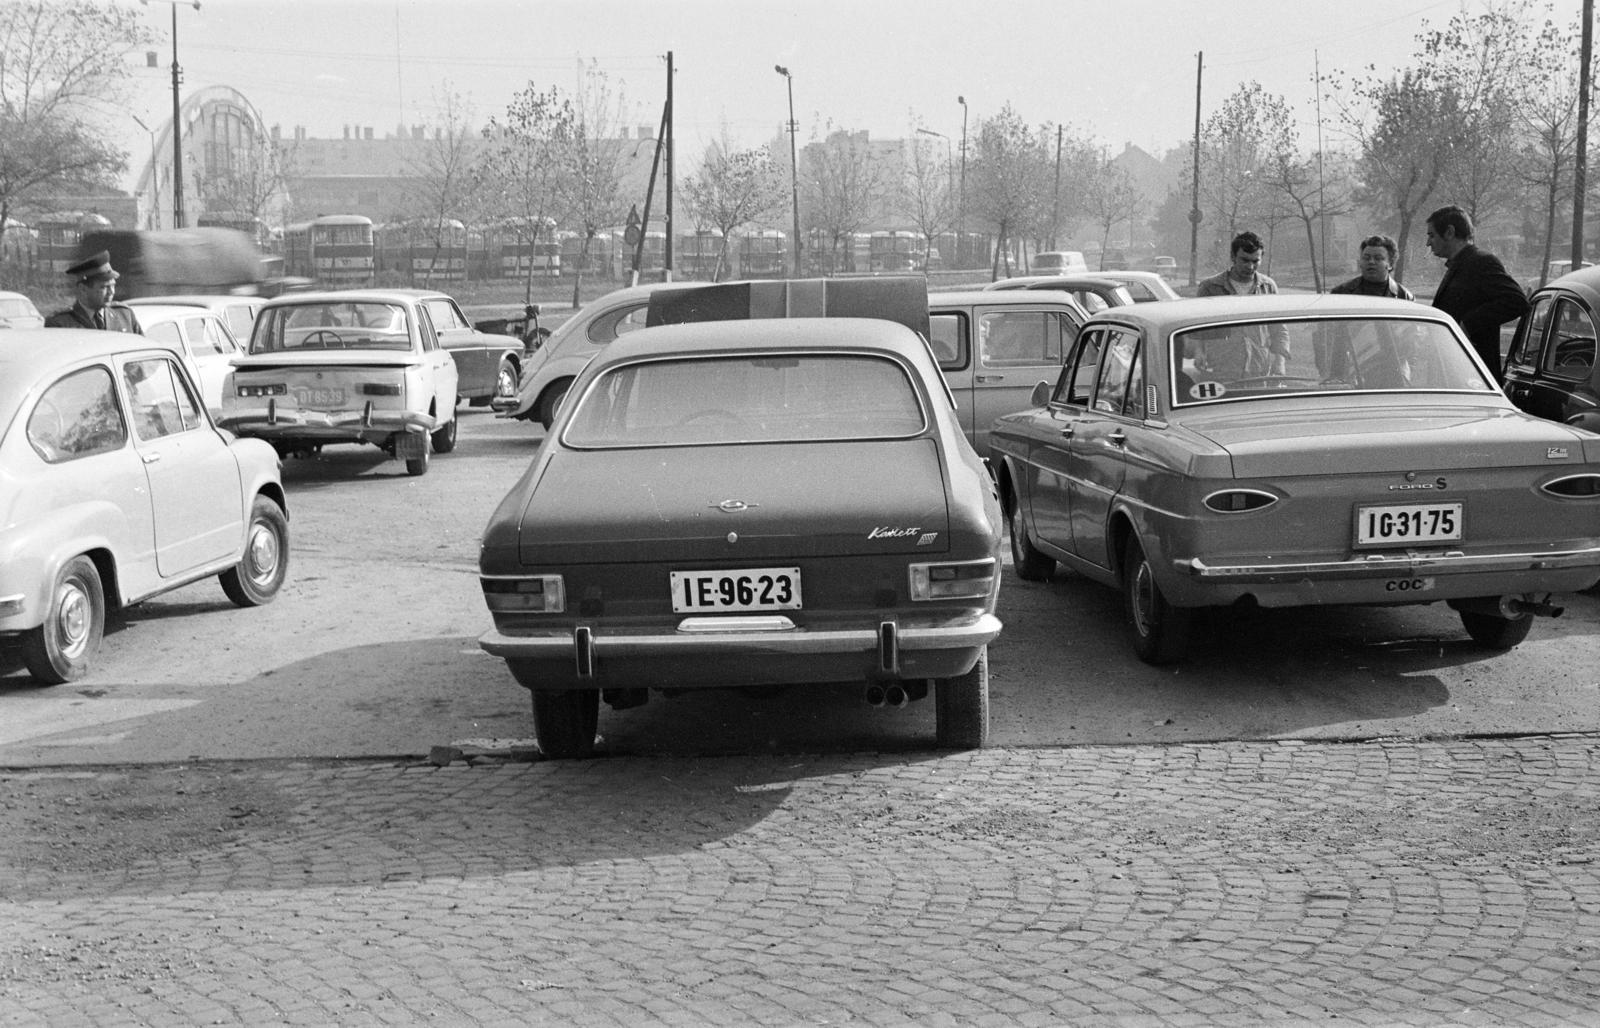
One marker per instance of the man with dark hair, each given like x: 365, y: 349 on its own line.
x: 94, y: 284
x: 1267, y: 355
x: 1475, y: 290
x: 1378, y: 254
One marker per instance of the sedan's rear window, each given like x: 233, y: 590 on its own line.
x: 1247, y: 360
x: 331, y: 326
x: 756, y: 398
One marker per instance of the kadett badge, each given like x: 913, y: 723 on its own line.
x: 892, y: 532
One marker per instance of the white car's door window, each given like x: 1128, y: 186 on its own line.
x: 77, y: 417
x: 159, y: 398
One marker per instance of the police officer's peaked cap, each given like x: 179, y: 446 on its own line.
x: 93, y: 268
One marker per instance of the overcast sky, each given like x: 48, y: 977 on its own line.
x: 1119, y: 71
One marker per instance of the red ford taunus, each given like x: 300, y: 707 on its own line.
x: 1290, y: 451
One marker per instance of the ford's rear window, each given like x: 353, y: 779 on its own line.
x: 331, y: 326
x: 751, y: 398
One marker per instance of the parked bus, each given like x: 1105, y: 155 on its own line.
x: 527, y: 250
x: 480, y: 265
x: 700, y: 256
x: 59, y: 236
x: 763, y: 253
x: 896, y: 251
x: 335, y: 250
x: 652, y: 260
x: 422, y: 250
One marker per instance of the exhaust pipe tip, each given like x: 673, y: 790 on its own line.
x: 895, y: 696
x: 876, y: 695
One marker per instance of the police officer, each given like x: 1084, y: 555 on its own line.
x: 94, y: 283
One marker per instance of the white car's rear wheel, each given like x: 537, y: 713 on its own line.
x: 961, y: 707
x: 59, y: 650
x: 564, y: 721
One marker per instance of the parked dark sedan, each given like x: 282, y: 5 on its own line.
x: 750, y: 502
x: 1552, y: 369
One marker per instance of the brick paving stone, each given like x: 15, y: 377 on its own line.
x: 1396, y: 883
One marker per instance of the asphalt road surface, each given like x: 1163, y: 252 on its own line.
x: 371, y: 651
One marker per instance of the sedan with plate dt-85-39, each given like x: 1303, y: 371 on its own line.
x: 1296, y: 450
x: 749, y: 504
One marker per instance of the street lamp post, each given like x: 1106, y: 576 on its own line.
x: 153, y: 219
x: 177, y: 133
x: 794, y: 165
x: 961, y: 211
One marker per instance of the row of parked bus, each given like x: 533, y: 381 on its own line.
x: 351, y: 250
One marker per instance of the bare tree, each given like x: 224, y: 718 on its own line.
x: 842, y: 188
x: 1237, y: 146
x: 926, y: 193
x: 59, y: 61
x: 1395, y: 124
x: 1008, y: 180
x: 1111, y: 198
x: 591, y: 165
x: 519, y: 172
x: 733, y: 190
x: 1549, y: 110
x: 442, y: 185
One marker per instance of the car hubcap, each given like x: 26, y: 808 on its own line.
x: 72, y: 620
x: 1144, y: 599
x: 263, y: 554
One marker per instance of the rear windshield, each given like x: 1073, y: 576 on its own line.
x: 331, y: 326
x: 757, y: 398
x: 1251, y: 360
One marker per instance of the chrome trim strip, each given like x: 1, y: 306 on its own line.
x: 1383, y: 565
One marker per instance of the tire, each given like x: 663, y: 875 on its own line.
x: 265, y: 564
x: 60, y: 649
x: 551, y: 400
x: 419, y: 465
x: 444, y: 438
x: 1031, y: 565
x: 505, y: 381
x: 1160, y: 630
x: 564, y: 721
x: 1494, y: 632
x: 961, y: 707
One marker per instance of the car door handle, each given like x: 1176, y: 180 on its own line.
x: 150, y: 458
x: 1068, y: 432
x: 988, y: 378
x: 1117, y: 438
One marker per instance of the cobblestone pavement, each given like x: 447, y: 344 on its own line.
x: 1380, y: 883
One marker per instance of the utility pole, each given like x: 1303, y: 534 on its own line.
x: 1055, y: 204
x: 666, y: 256
x: 1194, y: 212
x: 794, y: 165
x: 1580, y: 163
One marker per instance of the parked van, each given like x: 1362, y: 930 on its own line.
x: 1058, y: 262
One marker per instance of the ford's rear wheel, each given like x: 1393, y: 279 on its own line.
x: 1031, y: 565
x: 961, y: 707
x: 60, y: 649
x: 1495, y: 632
x: 1160, y: 630
x: 564, y: 721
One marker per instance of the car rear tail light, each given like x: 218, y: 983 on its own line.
x: 379, y: 389
x: 1238, y: 501
x: 272, y: 389
x: 1574, y: 485
x: 539, y: 594
x: 964, y: 580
